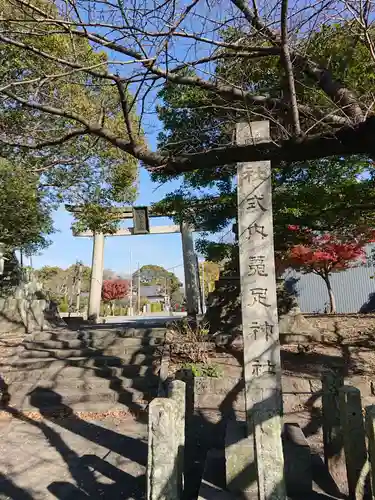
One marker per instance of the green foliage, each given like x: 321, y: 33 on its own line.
x: 86, y: 171
x: 203, y: 369
x: 59, y: 283
x: 25, y: 219
x: 151, y: 274
x: 64, y: 307
x: 330, y: 194
x: 155, y: 307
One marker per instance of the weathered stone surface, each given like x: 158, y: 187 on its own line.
x: 354, y: 439
x: 162, y: 470
x: 240, y: 462
x: 97, y: 267
x: 190, y: 271
x: 370, y: 431
x: 177, y: 392
x: 343, y: 324
x: 294, y: 322
x: 21, y: 315
x: 262, y: 366
x: 332, y: 432
x: 297, y: 456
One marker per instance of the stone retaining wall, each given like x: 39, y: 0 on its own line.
x: 26, y: 316
x: 343, y: 324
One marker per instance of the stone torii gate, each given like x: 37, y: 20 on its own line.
x: 140, y: 216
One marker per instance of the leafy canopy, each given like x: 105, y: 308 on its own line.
x: 151, y: 274
x: 25, y: 220
x: 84, y: 170
x: 329, y: 194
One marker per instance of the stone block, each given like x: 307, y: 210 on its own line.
x: 354, y: 439
x: 177, y: 392
x: 269, y: 454
x: 297, y: 461
x: 162, y: 459
x: 370, y: 431
x: 332, y: 432
x: 240, y: 462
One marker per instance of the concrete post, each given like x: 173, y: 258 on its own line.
x: 262, y: 368
x: 97, y: 268
x: 162, y: 459
x: 353, y: 432
x: 177, y: 392
x: 370, y: 431
x: 190, y: 270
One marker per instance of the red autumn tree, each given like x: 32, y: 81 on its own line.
x: 325, y: 254
x: 114, y: 290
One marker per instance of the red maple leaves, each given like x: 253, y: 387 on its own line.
x: 326, y: 253
x: 114, y: 289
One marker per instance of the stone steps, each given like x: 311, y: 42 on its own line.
x: 101, y: 343
x: 57, y: 371
x: 63, y: 334
x: 94, y: 362
x: 72, y: 399
x: 85, y: 369
x: 129, y: 355
x: 86, y: 384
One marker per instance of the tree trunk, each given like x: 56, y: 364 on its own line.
x: 332, y: 301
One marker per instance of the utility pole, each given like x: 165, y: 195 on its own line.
x: 139, y: 289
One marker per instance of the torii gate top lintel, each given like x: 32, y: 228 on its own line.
x: 140, y: 216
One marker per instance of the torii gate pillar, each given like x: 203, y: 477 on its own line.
x: 97, y: 269
x: 191, y: 271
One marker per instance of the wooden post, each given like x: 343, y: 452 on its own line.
x: 262, y: 366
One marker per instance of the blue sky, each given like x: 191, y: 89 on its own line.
x: 164, y: 250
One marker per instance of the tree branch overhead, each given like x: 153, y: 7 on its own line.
x: 282, y: 73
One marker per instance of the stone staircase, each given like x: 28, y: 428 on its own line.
x: 94, y: 369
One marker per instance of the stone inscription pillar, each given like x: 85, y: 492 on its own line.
x: 97, y: 267
x: 190, y: 270
x: 262, y: 367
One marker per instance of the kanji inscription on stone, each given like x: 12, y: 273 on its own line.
x: 257, y: 265
x: 255, y: 202
x: 260, y: 330
x: 262, y: 369
x: 255, y: 229
x: 259, y: 296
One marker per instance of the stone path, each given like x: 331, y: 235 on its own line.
x: 76, y: 423
x: 72, y: 458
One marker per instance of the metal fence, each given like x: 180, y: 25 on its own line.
x: 354, y: 290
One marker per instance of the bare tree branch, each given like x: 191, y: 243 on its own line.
x: 287, y: 62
